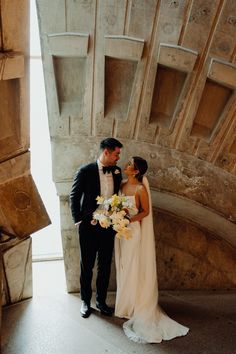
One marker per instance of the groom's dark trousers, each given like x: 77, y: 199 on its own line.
x: 95, y: 241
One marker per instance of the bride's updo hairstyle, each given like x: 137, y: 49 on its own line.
x: 141, y: 165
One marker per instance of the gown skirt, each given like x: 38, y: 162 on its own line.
x: 137, y: 290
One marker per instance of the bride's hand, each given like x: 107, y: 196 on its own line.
x: 127, y: 214
x: 126, y: 211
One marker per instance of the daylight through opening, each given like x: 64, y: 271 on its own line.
x: 46, y: 243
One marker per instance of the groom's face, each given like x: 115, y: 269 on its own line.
x: 111, y: 157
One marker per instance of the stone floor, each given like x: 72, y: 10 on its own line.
x: 50, y: 323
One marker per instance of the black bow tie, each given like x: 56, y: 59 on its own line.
x: 107, y: 169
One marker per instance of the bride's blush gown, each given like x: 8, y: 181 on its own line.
x: 137, y: 290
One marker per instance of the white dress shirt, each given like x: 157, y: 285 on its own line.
x: 106, y: 182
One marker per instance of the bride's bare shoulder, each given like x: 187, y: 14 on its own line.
x: 141, y: 189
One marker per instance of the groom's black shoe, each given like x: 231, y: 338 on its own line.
x: 105, y: 310
x: 85, y: 309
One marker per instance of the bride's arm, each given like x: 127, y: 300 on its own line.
x: 143, y: 204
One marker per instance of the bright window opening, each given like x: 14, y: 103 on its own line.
x: 46, y: 242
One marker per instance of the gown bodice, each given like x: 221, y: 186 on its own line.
x: 133, y: 210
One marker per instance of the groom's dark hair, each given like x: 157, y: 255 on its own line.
x: 110, y: 144
x: 141, y: 165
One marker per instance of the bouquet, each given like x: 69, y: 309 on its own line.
x: 113, y: 212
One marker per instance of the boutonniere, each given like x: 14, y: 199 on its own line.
x: 116, y: 172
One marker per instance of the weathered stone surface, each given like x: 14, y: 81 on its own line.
x: 21, y: 208
x: 189, y: 257
x: 17, y: 265
x: 169, y: 103
x: 71, y: 254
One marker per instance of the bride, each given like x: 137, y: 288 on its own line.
x: 137, y: 290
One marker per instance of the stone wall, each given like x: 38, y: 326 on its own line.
x: 189, y: 257
x: 161, y: 77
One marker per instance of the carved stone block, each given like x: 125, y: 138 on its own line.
x: 21, y: 209
x: 17, y: 265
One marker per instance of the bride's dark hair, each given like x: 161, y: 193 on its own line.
x: 141, y: 165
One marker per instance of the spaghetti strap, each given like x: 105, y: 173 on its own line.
x: 139, y: 186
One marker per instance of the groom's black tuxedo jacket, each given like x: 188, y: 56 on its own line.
x: 86, y: 188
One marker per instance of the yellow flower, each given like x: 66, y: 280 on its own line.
x: 123, y: 233
x: 115, y: 200
x: 127, y: 234
x: 100, y: 200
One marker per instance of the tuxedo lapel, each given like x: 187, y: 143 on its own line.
x: 96, y: 178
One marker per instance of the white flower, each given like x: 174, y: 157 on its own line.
x: 116, y: 172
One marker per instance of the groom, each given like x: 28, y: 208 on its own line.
x: 102, y: 177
